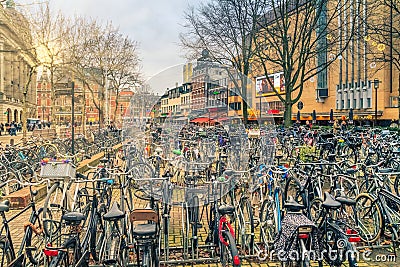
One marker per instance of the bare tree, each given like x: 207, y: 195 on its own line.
x: 384, y: 32
x: 227, y: 30
x: 102, y: 57
x: 296, y: 36
x: 125, y: 63
x: 49, y: 30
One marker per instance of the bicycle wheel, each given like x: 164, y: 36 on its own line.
x: 68, y: 256
x: 396, y: 185
x: 229, y: 254
x: 370, y: 222
x: 111, y: 249
x: 293, y: 188
x: 316, y: 210
x: 54, y: 206
x: 97, y: 229
x: 35, y: 241
x: 246, y: 225
x: 141, y: 169
x: 23, y: 170
x: 5, y: 254
x: 194, y: 221
x: 48, y: 151
x: 268, y: 227
x: 11, y: 186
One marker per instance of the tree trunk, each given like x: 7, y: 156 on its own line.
x: 288, y: 114
x: 288, y: 107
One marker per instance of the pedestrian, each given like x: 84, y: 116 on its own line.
x: 336, y: 126
x: 343, y: 126
x: 13, y: 129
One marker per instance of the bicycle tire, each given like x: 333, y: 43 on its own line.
x: 228, y: 253
x: 64, y: 256
x: 396, y: 185
x: 367, y: 206
x: 111, y: 248
x: 268, y: 226
x: 52, y: 203
x: 246, y: 220
x: 195, y: 221
x: 11, y: 186
x: 24, y: 171
x: 316, y: 210
x: 292, y: 188
x: 97, y: 231
x: 5, y: 257
x: 48, y: 151
x: 36, y: 258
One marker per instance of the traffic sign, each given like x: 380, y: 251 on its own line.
x: 300, y: 105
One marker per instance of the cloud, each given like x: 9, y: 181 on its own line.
x: 155, y: 24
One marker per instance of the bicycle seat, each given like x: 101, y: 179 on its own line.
x: 146, y: 229
x: 351, y: 171
x: 385, y: 170
x: 5, y: 205
x: 346, y: 200
x: 103, y: 160
x: 293, y: 205
x: 114, y: 213
x: 226, y: 209
x: 73, y: 217
x: 330, y: 202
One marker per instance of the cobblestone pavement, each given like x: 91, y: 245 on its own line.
x: 379, y: 257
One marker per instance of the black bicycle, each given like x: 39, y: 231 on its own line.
x: 29, y: 252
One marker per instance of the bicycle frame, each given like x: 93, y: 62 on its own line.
x: 19, y: 257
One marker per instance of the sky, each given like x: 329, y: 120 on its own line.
x: 155, y: 24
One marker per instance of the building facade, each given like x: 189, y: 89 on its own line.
x: 16, y: 63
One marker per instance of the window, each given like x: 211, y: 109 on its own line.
x: 235, y: 106
x: 368, y: 102
x: 341, y: 105
x: 394, y: 101
x: 354, y: 103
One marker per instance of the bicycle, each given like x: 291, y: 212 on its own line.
x: 76, y: 251
x: 29, y: 252
x: 221, y: 234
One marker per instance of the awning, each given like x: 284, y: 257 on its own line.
x: 202, y: 120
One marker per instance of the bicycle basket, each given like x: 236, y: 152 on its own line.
x: 58, y: 169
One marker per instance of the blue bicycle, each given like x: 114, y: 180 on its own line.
x: 270, y: 213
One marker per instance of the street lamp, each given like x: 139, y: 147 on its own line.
x: 376, y: 86
x: 72, y: 84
